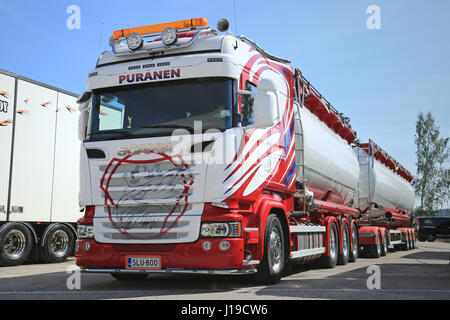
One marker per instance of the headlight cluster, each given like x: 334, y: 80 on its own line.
x: 85, y: 232
x: 221, y: 229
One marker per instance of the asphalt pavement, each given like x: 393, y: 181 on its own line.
x: 423, y: 273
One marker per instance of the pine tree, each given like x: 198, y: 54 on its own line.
x: 432, y: 181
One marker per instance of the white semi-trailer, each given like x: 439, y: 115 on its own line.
x: 39, y: 171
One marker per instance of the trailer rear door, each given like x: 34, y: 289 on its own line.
x: 7, y: 95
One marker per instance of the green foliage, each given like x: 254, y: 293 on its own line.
x: 432, y: 182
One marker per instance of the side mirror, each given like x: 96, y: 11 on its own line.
x: 84, y: 102
x: 265, y: 109
x: 267, y: 84
x: 87, y: 95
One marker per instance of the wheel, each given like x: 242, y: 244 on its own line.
x: 129, y: 276
x: 411, y: 241
x: 16, y: 243
x: 274, y: 258
x: 343, y: 258
x: 405, y: 245
x: 375, y: 249
x: 431, y: 237
x: 354, y: 253
x: 384, y: 248
x: 408, y: 241
x: 58, y: 244
x: 414, y: 241
x: 333, y: 244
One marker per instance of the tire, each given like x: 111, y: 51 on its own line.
x: 129, y: 276
x: 431, y: 237
x: 343, y: 258
x: 405, y: 246
x: 274, y: 259
x: 384, y: 247
x: 333, y: 243
x: 375, y: 249
x: 16, y: 243
x: 354, y: 253
x: 408, y: 243
x: 58, y: 244
x: 410, y: 240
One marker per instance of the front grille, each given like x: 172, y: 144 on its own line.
x: 146, y: 236
x: 147, y: 209
x: 151, y: 224
x: 147, y: 202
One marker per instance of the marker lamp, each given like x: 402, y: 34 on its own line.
x: 134, y: 41
x: 169, y: 36
x: 221, y: 229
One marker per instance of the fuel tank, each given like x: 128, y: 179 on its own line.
x: 331, y: 168
x: 381, y: 188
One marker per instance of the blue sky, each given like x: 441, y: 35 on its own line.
x: 381, y: 78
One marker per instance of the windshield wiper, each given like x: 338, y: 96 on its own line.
x: 175, y: 126
x: 123, y: 133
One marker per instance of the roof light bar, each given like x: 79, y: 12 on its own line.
x: 157, y: 28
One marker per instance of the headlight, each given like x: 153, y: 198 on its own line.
x: 85, y: 232
x: 169, y: 36
x: 134, y: 41
x: 221, y: 229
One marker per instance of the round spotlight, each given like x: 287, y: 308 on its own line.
x: 206, y: 245
x: 134, y: 41
x: 224, y: 245
x: 86, y: 246
x: 223, y: 25
x: 169, y: 36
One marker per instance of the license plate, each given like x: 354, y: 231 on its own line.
x: 143, y: 262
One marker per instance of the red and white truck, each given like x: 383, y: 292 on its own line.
x: 203, y: 153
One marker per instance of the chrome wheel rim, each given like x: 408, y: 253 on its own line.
x: 275, y: 250
x: 379, y: 244
x: 345, y: 242
x: 355, y: 243
x: 385, y: 245
x: 332, y: 244
x: 14, y: 244
x: 59, y: 243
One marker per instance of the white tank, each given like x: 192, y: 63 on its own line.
x: 331, y: 166
x: 380, y: 185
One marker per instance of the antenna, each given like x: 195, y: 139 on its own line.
x: 235, y: 19
x: 100, y: 42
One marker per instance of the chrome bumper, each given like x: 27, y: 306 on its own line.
x: 173, y: 271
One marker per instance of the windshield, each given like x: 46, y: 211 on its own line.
x: 157, y: 109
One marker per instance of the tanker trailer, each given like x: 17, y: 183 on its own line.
x: 327, y: 172
x: 386, y: 199
x: 285, y: 190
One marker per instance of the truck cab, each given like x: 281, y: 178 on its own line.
x: 179, y: 140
